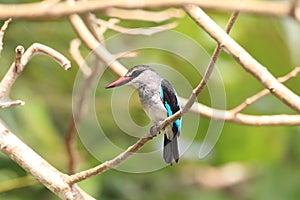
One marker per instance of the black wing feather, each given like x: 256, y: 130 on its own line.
x: 169, y: 98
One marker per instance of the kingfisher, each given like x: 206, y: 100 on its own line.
x: 159, y: 101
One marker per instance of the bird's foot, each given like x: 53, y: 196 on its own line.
x: 153, y: 131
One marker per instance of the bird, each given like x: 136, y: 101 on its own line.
x: 159, y: 100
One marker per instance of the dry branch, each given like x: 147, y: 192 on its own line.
x: 211, y: 113
x: 244, y: 58
x: 52, y: 9
x: 93, y: 44
x: 18, y: 66
x: 136, y: 31
x: 144, y: 15
x: 22, y: 59
x: 76, y: 55
x: 78, y: 108
x: 264, y: 92
x: 2, y: 31
x: 29, y: 160
x: 238, y: 118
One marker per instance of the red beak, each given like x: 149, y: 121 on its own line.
x: 121, y: 81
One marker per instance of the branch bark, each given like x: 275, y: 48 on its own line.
x: 29, y: 160
x: 22, y: 59
x: 93, y: 44
x: 244, y: 58
x: 48, y: 9
x: 143, y: 15
x: 239, y: 118
x: 2, y: 31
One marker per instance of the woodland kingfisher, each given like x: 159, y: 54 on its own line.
x: 159, y: 101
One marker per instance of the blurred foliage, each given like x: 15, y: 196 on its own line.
x: 273, y: 152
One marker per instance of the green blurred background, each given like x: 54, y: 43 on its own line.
x: 269, y: 156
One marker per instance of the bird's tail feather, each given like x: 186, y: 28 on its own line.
x: 171, y: 152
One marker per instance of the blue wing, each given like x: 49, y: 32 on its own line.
x: 171, y: 103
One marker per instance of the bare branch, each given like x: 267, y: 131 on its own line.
x: 76, y: 55
x: 244, y: 58
x: 2, y: 31
x: 143, y: 15
x: 93, y: 44
x: 11, y: 103
x: 53, y: 179
x: 79, y: 105
x: 136, y: 31
x: 210, y: 67
x: 103, y: 29
x: 111, y: 163
x: 253, y: 120
x: 71, y: 131
x: 93, y: 27
x: 22, y: 60
x: 197, y: 108
x: 51, y: 9
x: 70, y: 146
x: 192, y: 99
x: 264, y: 92
x: 37, y: 48
x: 244, y: 119
x: 127, y: 54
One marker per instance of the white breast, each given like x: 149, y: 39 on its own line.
x: 152, y: 105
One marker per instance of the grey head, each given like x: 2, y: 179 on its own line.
x: 138, y: 76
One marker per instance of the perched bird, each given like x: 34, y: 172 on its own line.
x: 159, y: 101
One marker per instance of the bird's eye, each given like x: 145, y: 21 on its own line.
x: 135, y: 73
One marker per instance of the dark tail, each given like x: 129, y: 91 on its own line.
x: 171, y: 151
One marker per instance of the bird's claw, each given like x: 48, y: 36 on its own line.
x: 153, y: 131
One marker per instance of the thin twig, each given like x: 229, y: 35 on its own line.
x: 98, y: 48
x: 103, y: 29
x: 11, y: 103
x: 79, y: 108
x: 70, y: 146
x: 71, y: 131
x: 137, y: 31
x: 243, y: 119
x: 192, y: 99
x: 93, y: 27
x: 2, y: 31
x: 76, y: 55
x: 252, y: 99
x: 34, y: 49
x: 244, y: 58
x: 145, y: 15
x: 113, y: 163
x: 214, y: 58
x: 142, y: 141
